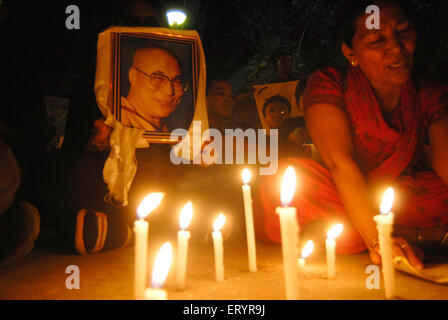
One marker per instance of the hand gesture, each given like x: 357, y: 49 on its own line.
x: 400, y: 248
x: 99, y: 137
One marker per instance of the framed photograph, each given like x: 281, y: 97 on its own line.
x: 277, y: 102
x: 155, y: 82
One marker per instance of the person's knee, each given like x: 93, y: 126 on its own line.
x: 9, y: 176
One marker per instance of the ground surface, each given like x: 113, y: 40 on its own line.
x: 109, y: 275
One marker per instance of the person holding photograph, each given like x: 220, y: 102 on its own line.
x: 370, y: 124
x: 85, y: 128
x: 74, y: 203
x: 275, y: 110
x: 156, y: 89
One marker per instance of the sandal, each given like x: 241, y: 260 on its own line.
x: 95, y: 232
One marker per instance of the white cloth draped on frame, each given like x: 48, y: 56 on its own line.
x: 121, y: 165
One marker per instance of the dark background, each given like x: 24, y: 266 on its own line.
x: 242, y: 39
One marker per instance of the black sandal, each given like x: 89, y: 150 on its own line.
x: 95, y: 232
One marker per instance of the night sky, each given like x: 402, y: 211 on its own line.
x: 235, y: 34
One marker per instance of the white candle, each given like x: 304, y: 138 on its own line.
x: 384, y: 224
x: 306, y: 251
x: 250, y: 233
x: 290, y: 235
x: 182, y: 245
x: 141, y: 243
x: 217, y: 244
x: 155, y: 294
x: 159, y: 273
x: 330, y: 245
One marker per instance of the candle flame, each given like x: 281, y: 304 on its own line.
x: 219, y: 222
x: 388, y: 199
x: 246, y: 176
x: 307, y: 249
x: 288, y: 186
x: 162, y: 265
x: 186, y: 215
x: 149, y: 203
x: 335, y: 231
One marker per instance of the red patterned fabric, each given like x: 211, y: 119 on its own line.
x: 386, y: 148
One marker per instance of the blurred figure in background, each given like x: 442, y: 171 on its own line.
x: 220, y: 103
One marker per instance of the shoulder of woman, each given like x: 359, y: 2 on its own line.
x: 325, y: 86
x: 431, y: 91
x: 328, y: 74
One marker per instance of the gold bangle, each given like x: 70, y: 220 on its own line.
x: 373, y: 244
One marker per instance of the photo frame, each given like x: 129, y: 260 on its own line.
x: 278, y: 96
x: 149, y: 69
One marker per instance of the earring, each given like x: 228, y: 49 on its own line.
x: 353, y: 63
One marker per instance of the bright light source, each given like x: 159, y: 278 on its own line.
x: 288, y: 186
x: 176, y: 17
x: 149, y: 203
x: 162, y: 265
x: 307, y: 249
x: 335, y: 231
x: 219, y: 222
x: 246, y: 176
x: 186, y: 215
x: 388, y: 199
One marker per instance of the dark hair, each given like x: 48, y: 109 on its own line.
x: 350, y: 10
x: 124, y: 19
x: 155, y: 4
x: 210, y: 83
x: 276, y: 98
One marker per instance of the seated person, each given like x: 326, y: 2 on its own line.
x: 369, y: 124
x: 292, y: 131
x: 220, y: 104
x: 74, y: 188
x: 275, y: 110
x: 19, y: 221
x: 293, y: 138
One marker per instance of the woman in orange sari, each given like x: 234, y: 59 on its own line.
x: 369, y: 125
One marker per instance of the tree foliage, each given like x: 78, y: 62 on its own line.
x: 253, y: 34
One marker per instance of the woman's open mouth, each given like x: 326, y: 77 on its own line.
x: 399, y: 65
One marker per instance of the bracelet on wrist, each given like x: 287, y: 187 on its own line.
x: 372, y: 244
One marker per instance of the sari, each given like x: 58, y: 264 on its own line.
x: 387, y: 149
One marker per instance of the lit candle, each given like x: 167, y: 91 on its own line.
x: 306, y: 251
x: 182, y: 244
x: 148, y: 204
x: 217, y: 244
x: 159, y: 273
x: 250, y: 233
x: 330, y: 245
x: 384, y: 224
x: 290, y: 235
